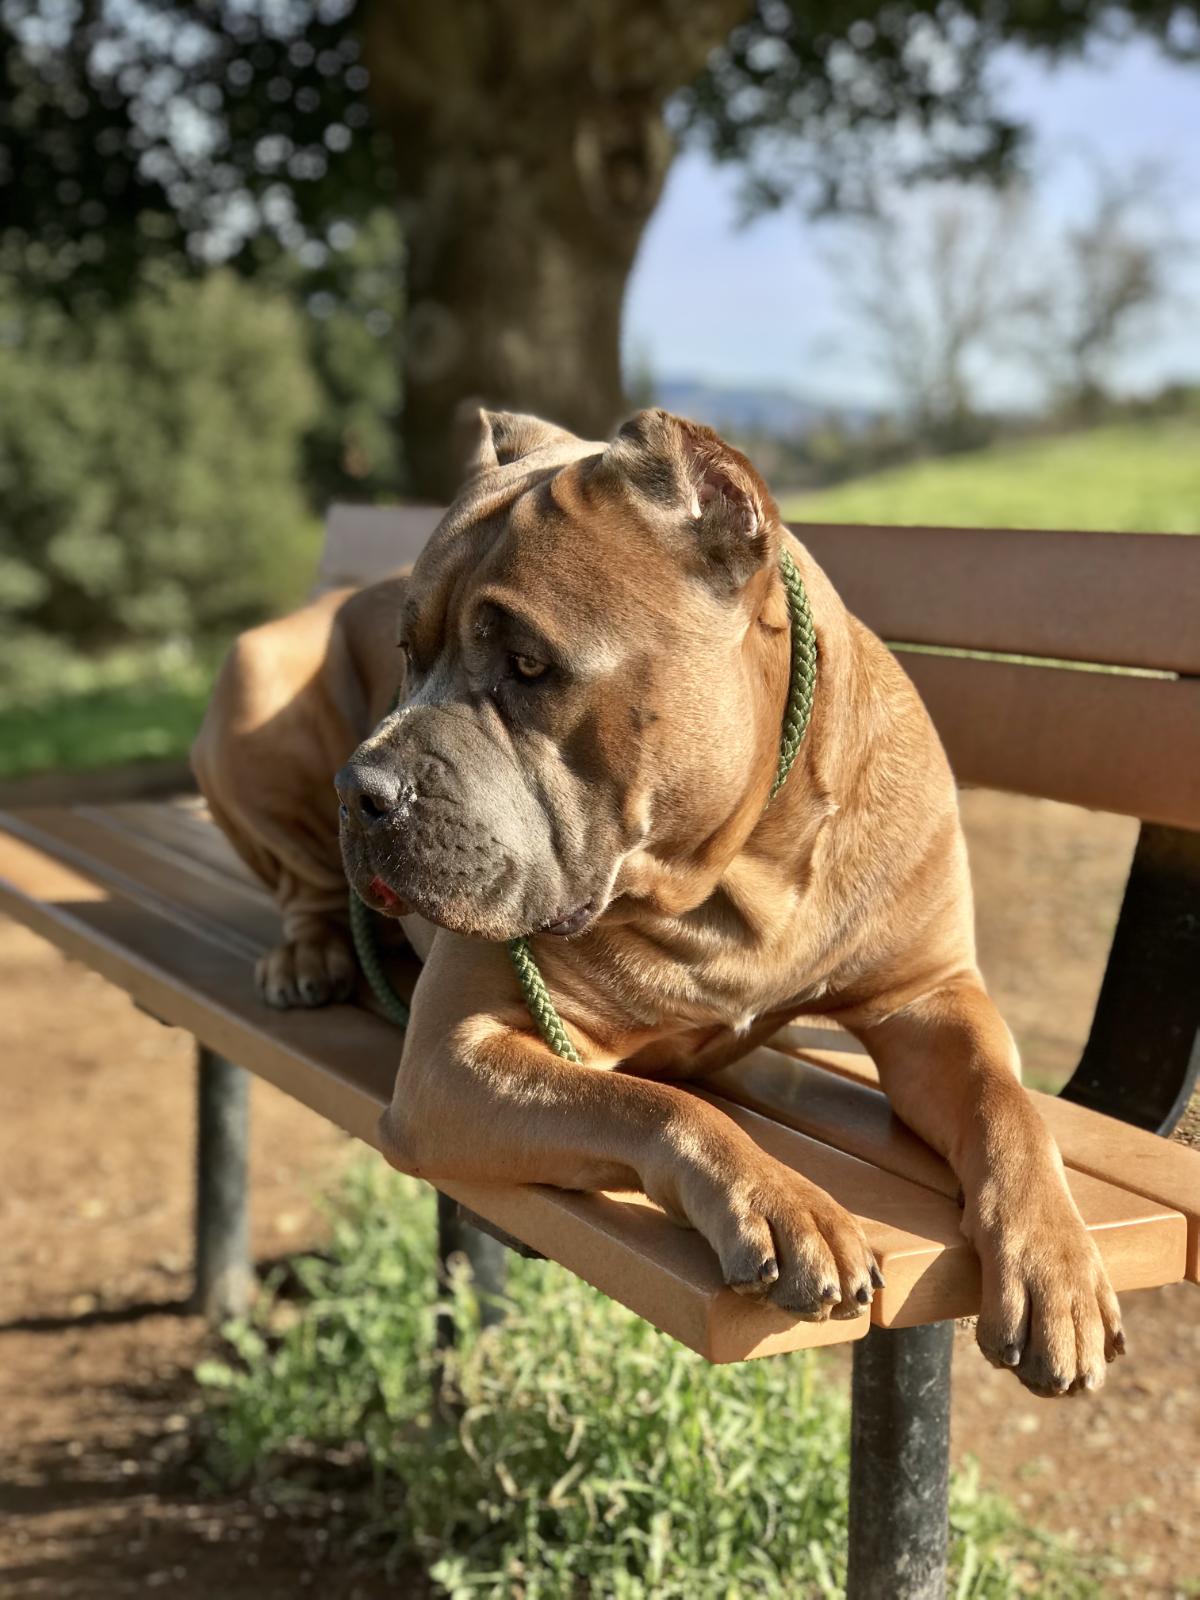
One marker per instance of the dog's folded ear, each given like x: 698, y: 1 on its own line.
x: 489, y: 439
x: 688, y: 469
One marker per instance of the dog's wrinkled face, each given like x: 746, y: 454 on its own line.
x: 591, y: 638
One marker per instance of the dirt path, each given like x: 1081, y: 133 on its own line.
x: 100, y: 1493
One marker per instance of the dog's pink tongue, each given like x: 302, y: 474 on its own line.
x: 381, y: 891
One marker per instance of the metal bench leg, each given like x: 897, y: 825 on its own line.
x: 900, y: 1464
x: 485, y: 1256
x: 223, y: 1272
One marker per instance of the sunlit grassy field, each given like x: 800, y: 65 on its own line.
x: 1136, y: 477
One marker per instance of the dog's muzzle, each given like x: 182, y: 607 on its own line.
x: 408, y: 840
x: 371, y: 794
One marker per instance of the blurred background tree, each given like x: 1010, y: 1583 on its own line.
x: 523, y: 148
x: 1115, y: 273
x: 944, y: 288
x: 150, y: 462
x: 932, y: 294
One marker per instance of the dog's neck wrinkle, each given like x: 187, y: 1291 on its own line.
x: 706, y: 864
x: 756, y: 834
x: 724, y: 876
x: 723, y: 879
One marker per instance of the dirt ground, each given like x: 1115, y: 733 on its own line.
x: 96, y: 1402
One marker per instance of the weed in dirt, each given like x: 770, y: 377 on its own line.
x: 590, y: 1456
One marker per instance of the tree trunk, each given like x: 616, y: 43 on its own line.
x: 514, y: 298
x: 531, y: 150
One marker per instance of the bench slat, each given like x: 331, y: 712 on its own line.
x: 185, y: 824
x: 1140, y: 1162
x: 341, y: 1062
x: 1125, y: 599
x: 195, y: 983
x: 225, y: 904
x: 930, y: 1271
x: 363, y: 543
x: 1143, y: 1242
x: 169, y: 886
x: 1103, y: 740
x: 1122, y: 599
x: 1108, y: 741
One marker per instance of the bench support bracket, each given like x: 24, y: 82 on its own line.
x: 1143, y: 1055
x: 900, y: 1464
x: 223, y: 1271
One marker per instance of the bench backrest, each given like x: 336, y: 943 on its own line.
x: 1065, y: 665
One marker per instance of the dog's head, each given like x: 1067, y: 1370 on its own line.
x: 596, y: 647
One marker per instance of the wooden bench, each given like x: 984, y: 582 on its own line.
x: 1002, y: 632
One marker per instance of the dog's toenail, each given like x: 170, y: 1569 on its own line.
x: 1059, y: 1383
x: 1010, y: 1355
x: 829, y: 1292
x: 877, y: 1277
x: 862, y: 1294
x: 769, y: 1270
x: 1119, y: 1342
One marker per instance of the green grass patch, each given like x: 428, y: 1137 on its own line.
x: 594, y: 1457
x: 59, y: 712
x: 1133, y: 477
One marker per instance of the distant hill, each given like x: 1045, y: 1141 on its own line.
x: 1137, y: 477
x: 776, y: 412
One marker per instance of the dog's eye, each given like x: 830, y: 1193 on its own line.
x: 527, y: 668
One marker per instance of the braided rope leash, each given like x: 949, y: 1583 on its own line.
x: 797, y: 713
x: 537, y: 998
x: 366, y: 948
x: 796, y: 717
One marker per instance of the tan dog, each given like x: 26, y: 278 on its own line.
x: 593, y: 667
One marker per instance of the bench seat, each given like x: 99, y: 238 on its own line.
x: 152, y: 896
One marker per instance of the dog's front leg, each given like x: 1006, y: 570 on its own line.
x: 950, y: 1068
x: 479, y: 1097
x: 290, y: 704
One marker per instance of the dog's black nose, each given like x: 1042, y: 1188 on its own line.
x: 368, y: 793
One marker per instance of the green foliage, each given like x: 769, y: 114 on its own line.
x: 138, y: 130
x: 592, y: 1457
x: 174, y: 131
x: 1134, y: 477
x: 61, y: 712
x: 807, y: 95
x: 353, y: 309
x: 149, y: 463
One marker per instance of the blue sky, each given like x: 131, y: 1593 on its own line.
x: 758, y: 304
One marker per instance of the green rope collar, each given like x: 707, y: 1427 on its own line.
x: 796, y: 716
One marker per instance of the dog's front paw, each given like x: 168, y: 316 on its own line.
x: 1048, y: 1310
x: 779, y: 1236
x: 314, y: 970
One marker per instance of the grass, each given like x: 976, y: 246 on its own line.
x: 592, y: 1457
x: 1132, y: 477
x: 68, y: 714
